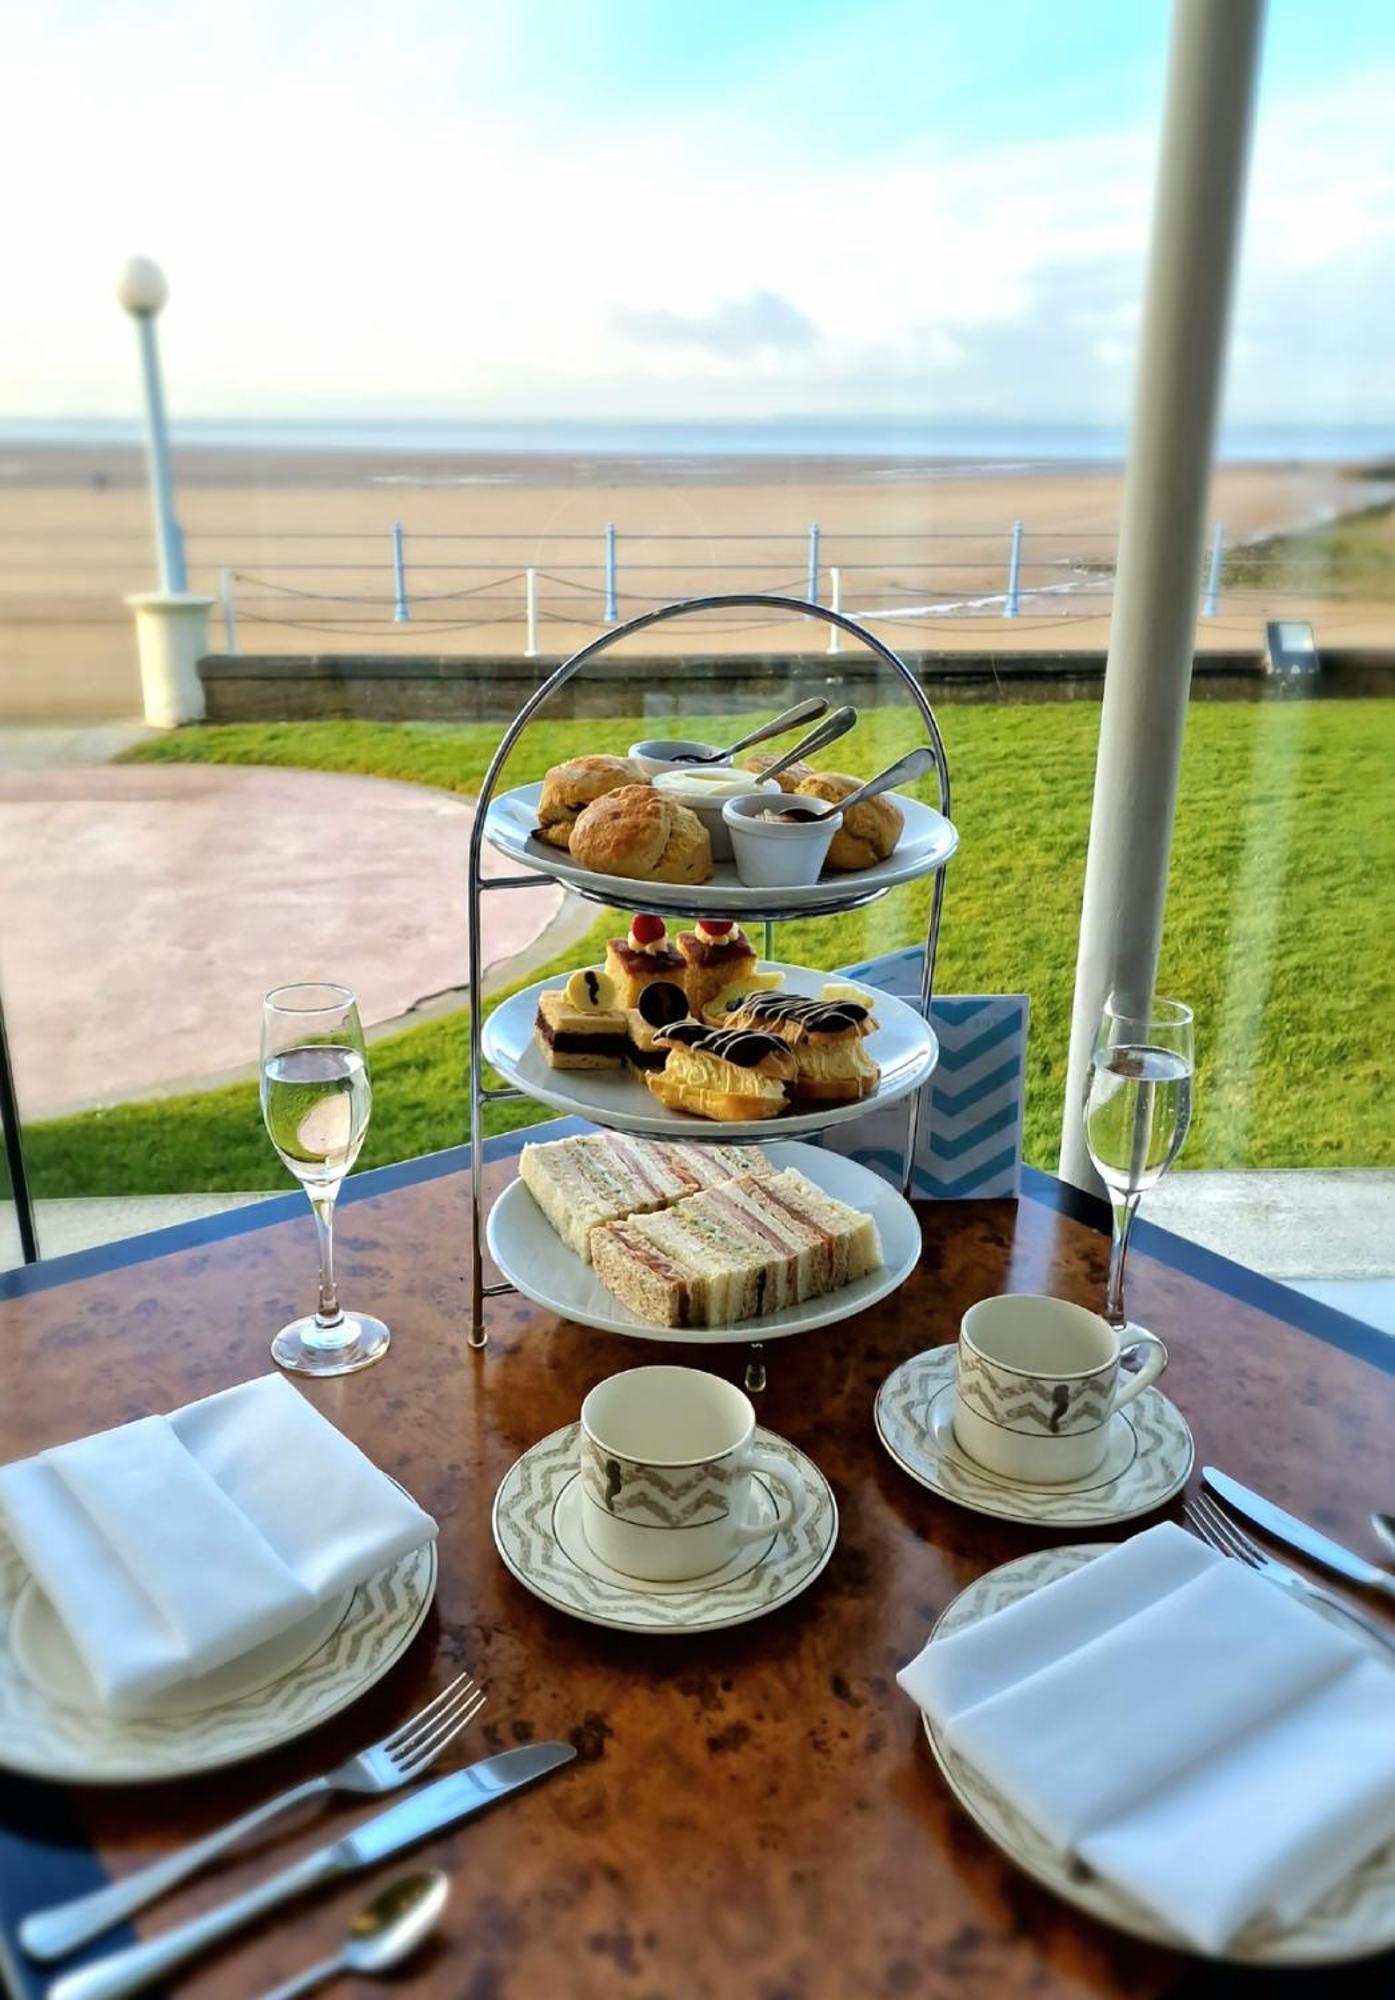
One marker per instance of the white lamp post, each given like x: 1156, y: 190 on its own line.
x: 171, y: 622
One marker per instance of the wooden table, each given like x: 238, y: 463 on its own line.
x: 754, y: 1812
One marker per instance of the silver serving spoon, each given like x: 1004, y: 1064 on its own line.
x: 803, y: 711
x: 383, y: 1933
x: 1384, y: 1525
x: 838, y: 724
x: 913, y: 765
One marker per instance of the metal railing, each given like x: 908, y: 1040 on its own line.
x: 357, y: 584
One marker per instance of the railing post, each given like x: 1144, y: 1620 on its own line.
x: 812, y: 592
x: 1213, y: 574
x: 225, y: 588
x: 1012, y: 601
x: 401, y: 613
x: 612, y: 615
x: 530, y: 587
x: 835, y: 603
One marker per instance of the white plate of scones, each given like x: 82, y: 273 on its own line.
x: 699, y: 1244
x: 689, y: 1032
x: 598, y: 825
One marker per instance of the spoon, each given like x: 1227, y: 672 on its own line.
x: 803, y: 711
x: 912, y: 765
x: 838, y: 724
x: 1384, y: 1525
x: 383, y: 1933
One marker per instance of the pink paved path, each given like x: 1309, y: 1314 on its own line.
x: 144, y: 910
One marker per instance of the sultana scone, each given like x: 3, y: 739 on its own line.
x: 638, y: 833
x: 868, y: 833
x: 760, y: 761
x: 569, y: 788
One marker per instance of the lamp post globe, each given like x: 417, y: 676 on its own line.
x: 142, y: 287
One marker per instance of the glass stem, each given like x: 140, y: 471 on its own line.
x: 1125, y: 1208
x: 330, y: 1314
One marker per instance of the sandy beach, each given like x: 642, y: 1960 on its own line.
x: 922, y: 547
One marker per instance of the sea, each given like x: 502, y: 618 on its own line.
x: 956, y: 447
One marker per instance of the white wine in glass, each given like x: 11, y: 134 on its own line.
x: 316, y: 1100
x: 1138, y: 1105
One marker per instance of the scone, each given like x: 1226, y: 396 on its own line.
x: 868, y: 833
x: 646, y: 954
x: 826, y: 1039
x: 569, y: 788
x: 760, y: 761
x: 717, y: 953
x: 638, y: 833
x: 722, y: 1073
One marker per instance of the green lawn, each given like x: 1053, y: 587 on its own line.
x: 1281, y: 930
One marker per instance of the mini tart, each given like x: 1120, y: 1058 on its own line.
x: 714, y: 963
x: 579, y: 1038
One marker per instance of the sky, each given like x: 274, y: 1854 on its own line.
x: 693, y: 209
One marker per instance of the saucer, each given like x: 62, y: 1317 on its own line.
x: 1148, y: 1457
x: 537, y: 1531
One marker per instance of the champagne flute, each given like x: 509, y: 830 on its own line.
x: 316, y: 1099
x: 1138, y: 1105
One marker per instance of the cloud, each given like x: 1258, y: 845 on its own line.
x: 694, y: 259
x: 760, y: 323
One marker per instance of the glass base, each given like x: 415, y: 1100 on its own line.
x: 307, y: 1348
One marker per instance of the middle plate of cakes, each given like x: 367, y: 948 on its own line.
x: 603, y: 1062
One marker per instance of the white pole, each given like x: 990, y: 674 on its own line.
x: 401, y: 610
x: 612, y: 612
x: 1013, y: 598
x: 813, y: 585
x: 835, y: 603
x: 530, y: 587
x: 1213, y: 576
x: 1197, y: 209
x: 225, y: 586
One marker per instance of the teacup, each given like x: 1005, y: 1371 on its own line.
x: 667, y: 1463
x: 1040, y: 1381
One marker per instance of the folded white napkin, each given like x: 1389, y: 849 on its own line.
x: 174, y: 1544
x: 1197, y: 1738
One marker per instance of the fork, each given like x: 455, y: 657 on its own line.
x: 1212, y: 1525
x: 401, y: 1756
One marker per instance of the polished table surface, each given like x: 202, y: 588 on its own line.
x: 753, y: 1812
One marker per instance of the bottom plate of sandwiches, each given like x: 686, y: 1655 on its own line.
x: 660, y: 1038
x: 671, y: 1241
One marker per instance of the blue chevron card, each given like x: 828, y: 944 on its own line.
x: 970, y: 1144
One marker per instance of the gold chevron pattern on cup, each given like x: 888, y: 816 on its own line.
x: 681, y: 1497
x: 1035, y: 1406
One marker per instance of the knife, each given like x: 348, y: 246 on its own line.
x: 1297, y: 1534
x: 417, y: 1818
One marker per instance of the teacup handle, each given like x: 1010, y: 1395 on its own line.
x: 782, y: 1475
x: 1148, y: 1372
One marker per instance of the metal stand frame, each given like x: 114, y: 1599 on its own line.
x: 479, y: 1094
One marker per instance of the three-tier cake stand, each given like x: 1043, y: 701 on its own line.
x: 842, y: 893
